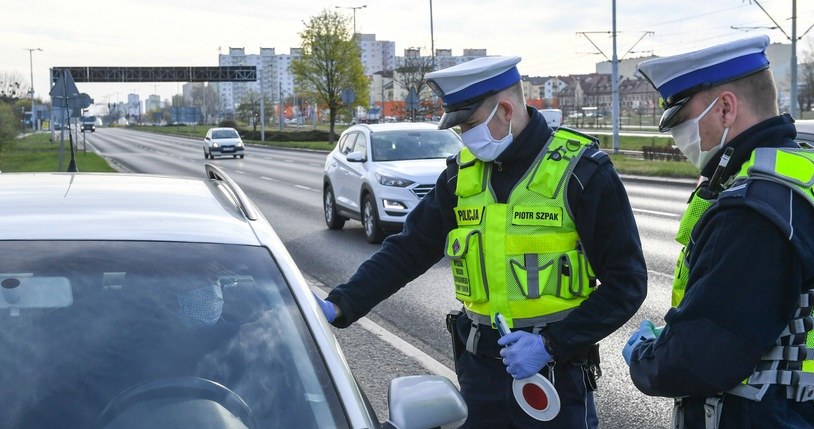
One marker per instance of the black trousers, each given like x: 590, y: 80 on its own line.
x: 487, y: 390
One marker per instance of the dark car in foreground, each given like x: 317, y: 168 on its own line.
x: 139, y: 301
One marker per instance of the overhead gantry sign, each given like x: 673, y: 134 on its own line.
x: 158, y: 74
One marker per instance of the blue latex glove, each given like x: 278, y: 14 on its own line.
x: 524, y: 353
x: 327, y: 308
x: 647, y: 330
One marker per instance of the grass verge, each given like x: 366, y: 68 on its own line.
x: 36, y: 153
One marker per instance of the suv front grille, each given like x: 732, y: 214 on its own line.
x: 422, y: 190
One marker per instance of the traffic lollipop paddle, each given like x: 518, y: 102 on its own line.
x: 535, y: 395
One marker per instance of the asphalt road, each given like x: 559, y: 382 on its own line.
x: 405, y: 335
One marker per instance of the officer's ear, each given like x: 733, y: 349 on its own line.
x: 729, y: 108
x: 507, y: 110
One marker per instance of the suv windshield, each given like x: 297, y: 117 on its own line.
x: 212, y: 330
x: 404, y: 145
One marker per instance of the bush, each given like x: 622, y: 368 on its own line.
x: 228, y: 123
x: 289, y: 136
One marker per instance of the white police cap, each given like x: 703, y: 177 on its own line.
x: 679, y: 77
x: 464, y: 87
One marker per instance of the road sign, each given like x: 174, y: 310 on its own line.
x: 348, y: 96
x: 64, y: 86
x: 412, y: 99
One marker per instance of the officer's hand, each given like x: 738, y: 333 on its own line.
x: 647, y: 330
x: 328, y: 308
x: 524, y: 354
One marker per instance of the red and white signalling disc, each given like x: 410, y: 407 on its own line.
x: 537, y: 397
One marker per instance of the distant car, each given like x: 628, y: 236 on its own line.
x: 222, y: 141
x: 377, y: 173
x: 137, y: 301
x: 88, y: 123
x: 805, y: 131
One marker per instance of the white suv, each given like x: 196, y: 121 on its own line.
x: 377, y: 173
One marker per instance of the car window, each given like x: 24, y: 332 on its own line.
x: 361, y: 144
x: 422, y: 144
x: 85, y: 324
x: 225, y: 134
x: 346, y: 143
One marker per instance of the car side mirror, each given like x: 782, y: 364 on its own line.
x: 423, y: 402
x: 355, y: 157
x: 206, y: 138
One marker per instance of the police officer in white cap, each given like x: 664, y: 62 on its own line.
x: 737, y: 349
x: 537, y: 227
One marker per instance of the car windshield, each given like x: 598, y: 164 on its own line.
x: 110, y: 334
x: 225, y: 134
x: 406, y: 145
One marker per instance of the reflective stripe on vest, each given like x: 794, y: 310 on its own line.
x: 534, y: 270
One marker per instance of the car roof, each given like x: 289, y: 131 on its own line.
x: 395, y: 126
x: 805, y: 125
x: 118, y: 206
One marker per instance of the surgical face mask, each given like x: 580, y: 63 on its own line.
x: 480, y: 142
x: 201, y: 307
x: 687, y: 136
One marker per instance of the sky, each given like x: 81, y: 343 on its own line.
x: 550, y: 38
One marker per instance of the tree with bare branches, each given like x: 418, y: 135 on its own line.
x: 410, y: 75
x: 13, y: 87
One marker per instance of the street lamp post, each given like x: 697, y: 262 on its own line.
x: 31, y: 90
x: 354, y: 14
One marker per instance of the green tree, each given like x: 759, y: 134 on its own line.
x: 8, y: 125
x: 330, y: 63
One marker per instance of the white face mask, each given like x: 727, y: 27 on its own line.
x: 687, y: 136
x: 480, y: 142
x: 201, y: 307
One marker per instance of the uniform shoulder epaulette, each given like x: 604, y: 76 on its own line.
x: 596, y: 155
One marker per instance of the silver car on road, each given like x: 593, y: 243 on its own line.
x: 141, y: 301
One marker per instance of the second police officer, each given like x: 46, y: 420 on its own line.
x: 538, y: 227
x: 737, y: 351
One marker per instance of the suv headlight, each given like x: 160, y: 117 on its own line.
x: 393, y: 181
x: 215, y: 145
x: 239, y: 144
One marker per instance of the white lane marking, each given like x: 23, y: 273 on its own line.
x: 665, y: 275
x: 408, y: 349
x: 306, y: 188
x: 269, y: 178
x: 654, y: 212
x: 241, y: 172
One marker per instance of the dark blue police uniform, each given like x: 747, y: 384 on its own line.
x: 609, y: 235
x: 750, y: 259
